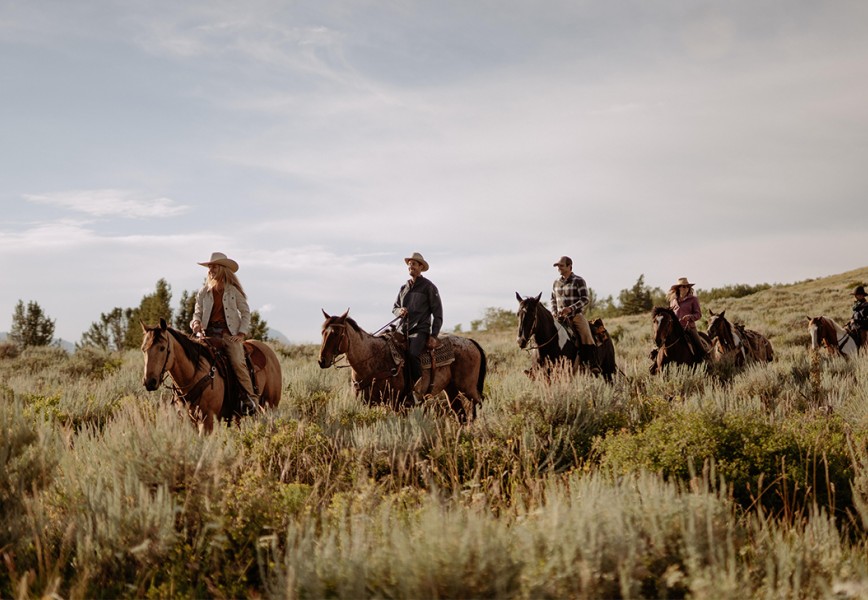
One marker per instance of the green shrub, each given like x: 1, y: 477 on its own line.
x: 786, y: 467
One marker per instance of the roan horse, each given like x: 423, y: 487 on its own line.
x: 737, y: 342
x: 553, y: 344
x: 200, y: 378
x: 827, y: 333
x: 671, y: 341
x: 378, y: 370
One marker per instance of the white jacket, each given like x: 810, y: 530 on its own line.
x: 234, y: 305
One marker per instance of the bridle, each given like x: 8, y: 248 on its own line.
x: 532, y: 331
x: 336, y: 356
x: 178, y: 392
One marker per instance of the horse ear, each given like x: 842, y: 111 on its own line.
x: 538, y: 296
x: 711, y: 313
x: 325, y: 314
x: 723, y: 312
x: 517, y: 297
x: 144, y: 327
x: 344, y: 316
x: 163, y: 324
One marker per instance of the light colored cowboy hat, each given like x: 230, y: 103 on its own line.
x: 418, y: 258
x: 218, y: 258
x: 682, y: 281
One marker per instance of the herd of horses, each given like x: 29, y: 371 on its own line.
x: 203, y: 383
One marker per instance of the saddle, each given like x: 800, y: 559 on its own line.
x: 255, y: 360
x: 441, y: 355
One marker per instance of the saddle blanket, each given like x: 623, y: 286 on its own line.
x: 443, y: 354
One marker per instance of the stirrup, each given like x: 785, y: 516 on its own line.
x: 249, y: 405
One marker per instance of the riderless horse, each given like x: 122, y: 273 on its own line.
x: 736, y: 341
x: 826, y: 333
x: 672, y: 341
x: 457, y: 366
x: 555, y: 344
x: 203, y: 380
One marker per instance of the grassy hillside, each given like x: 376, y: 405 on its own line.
x: 712, y: 483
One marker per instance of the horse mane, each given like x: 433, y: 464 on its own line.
x: 661, y: 310
x: 726, y: 333
x: 347, y: 320
x: 191, y: 347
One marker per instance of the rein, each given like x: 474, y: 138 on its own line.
x: 191, y: 395
x: 533, y: 335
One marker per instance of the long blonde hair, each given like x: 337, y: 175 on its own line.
x: 673, y: 293
x: 224, y: 275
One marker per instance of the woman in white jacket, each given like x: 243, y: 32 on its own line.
x: 222, y: 311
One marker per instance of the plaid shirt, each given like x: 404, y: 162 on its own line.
x: 571, y: 293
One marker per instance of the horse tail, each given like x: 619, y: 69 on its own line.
x: 483, y: 367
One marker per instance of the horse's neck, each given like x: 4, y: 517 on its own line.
x: 183, y: 371
x: 728, y: 335
x: 545, y: 326
x: 362, y: 348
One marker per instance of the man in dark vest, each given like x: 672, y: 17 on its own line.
x: 859, y: 322
x: 418, y: 304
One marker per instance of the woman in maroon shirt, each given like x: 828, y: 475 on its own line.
x: 685, y: 304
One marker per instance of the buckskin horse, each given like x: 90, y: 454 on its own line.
x: 378, y: 373
x: 736, y: 341
x: 200, y: 378
x: 826, y: 333
x: 553, y: 344
x: 671, y: 341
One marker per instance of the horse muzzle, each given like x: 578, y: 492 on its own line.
x: 150, y: 383
x: 521, y: 341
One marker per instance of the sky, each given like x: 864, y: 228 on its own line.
x: 319, y: 143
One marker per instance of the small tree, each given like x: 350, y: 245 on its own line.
x: 31, y: 327
x: 185, y: 311
x: 258, y: 327
x: 109, y: 333
x: 151, y: 309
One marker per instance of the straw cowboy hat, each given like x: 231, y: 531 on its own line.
x: 682, y: 281
x: 218, y: 258
x: 418, y: 258
x: 859, y: 291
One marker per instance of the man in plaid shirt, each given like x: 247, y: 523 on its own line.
x: 569, y: 299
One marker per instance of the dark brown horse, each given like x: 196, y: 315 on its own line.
x: 826, y: 333
x: 200, y: 379
x: 736, y: 342
x: 554, y: 344
x: 378, y: 373
x: 672, y: 341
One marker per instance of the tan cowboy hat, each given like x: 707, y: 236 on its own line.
x: 418, y: 258
x: 218, y: 258
x: 682, y: 281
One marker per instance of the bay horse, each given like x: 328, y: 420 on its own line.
x: 378, y: 370
x: 672, y: 342
x: 736, y: 341
x: 554, y: 344
x: 200, y: 379
x: 826, y: 333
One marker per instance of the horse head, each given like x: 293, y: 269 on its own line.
x: 334, y: 339
x: 527, y: 308
x: 156, y: 348
x: 663, y: 320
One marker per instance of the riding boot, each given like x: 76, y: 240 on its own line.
x: 249, y: 399
x: 588, y: 354
x: 698, y: 348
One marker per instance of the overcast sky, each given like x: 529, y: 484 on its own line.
x: 318, y: 143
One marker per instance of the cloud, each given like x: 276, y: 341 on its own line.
x: 112, y: 203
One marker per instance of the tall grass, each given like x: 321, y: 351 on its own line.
x: 711, y: 482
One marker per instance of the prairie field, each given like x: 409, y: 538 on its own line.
x: 709, y: 483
